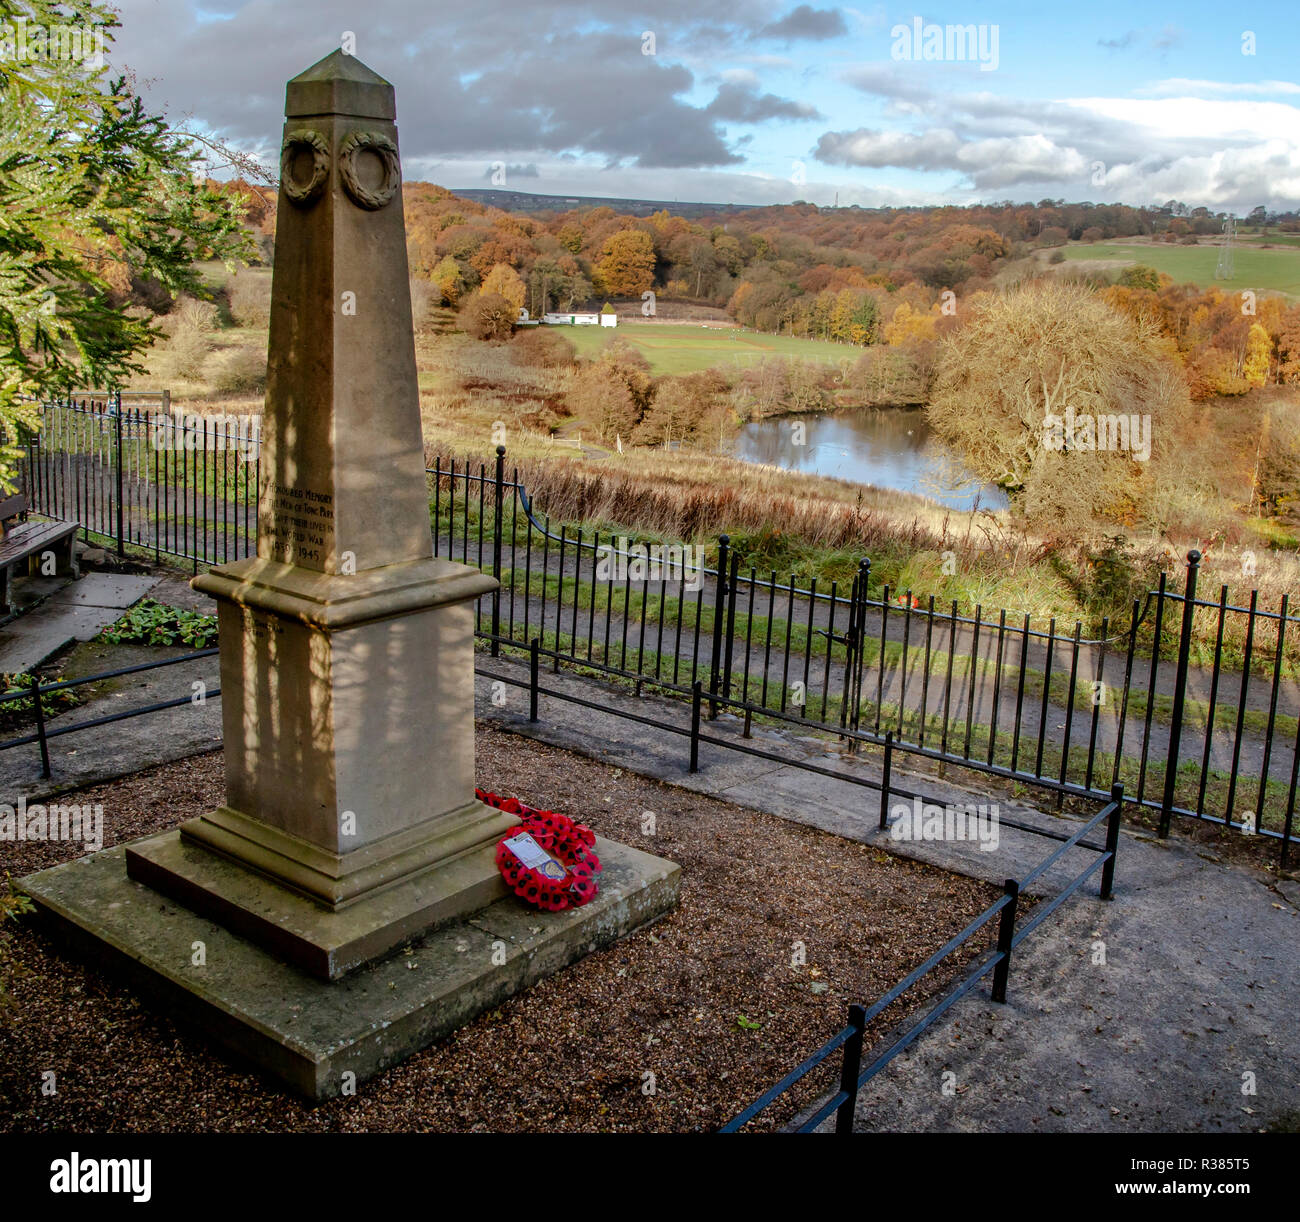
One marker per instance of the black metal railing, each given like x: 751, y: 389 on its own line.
x: 1215, y: 739
x: 159, y: 483
x: 1193, y: 704
x: 35, y: 690
x: 849, y: 1042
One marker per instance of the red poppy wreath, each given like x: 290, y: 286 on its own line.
x: 547, y: 859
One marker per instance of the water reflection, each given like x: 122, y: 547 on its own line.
x: 889, y: 448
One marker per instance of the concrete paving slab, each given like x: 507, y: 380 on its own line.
x: 27, y: 641
x: 831, y: 803
x: 73, y: 611
x: 174, y: 589
x: 1156, y: 1012
x: 111, y: 590
x: 30, y: 590
x: 1169, y: 1009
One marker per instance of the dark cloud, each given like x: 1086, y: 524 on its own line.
x: 806, y: 22
x: 485, y: 80
x: 742, y: 103
x: 1167, y: 36
x: 1121, y: 43
x: 554, y: 88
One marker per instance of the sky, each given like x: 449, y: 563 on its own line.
x: 764, y: 101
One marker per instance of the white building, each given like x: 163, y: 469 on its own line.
x: 605, y: 318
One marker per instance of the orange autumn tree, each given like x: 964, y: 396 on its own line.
x: 1288, y: 347
x: 1259, y: 347
x: 505, y: 281
x: 626, y: 266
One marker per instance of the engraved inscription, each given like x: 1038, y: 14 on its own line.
x: 302, y: 525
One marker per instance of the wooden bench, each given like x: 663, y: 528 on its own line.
x: 23, y: 540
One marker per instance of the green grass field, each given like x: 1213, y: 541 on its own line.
x: 673, y: 348
x: 1276, y: 270
x: 1273, y: 237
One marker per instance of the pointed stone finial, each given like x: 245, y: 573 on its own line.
x: 340, y: 84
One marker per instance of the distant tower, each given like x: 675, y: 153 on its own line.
x: 1224, y: 269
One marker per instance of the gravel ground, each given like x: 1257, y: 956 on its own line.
x: 708, y: 1000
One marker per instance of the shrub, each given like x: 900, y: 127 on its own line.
x: 487, y: 316
x: 190, y: 326
x: 241, y: 371
x: 250, y: 298
x: 186, y: 356
x: 1139, y: 276
x: 424, y: 296
x: 19, y: 710
x: 1278, y: 486
x: 1025, y: 387
x: 542, y: 348
x: 687, y: 407
x: 150, y: 622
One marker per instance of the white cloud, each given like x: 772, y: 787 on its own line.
x: 935, y: 149
x: 1185, y: 86
x: 1009, y: 161
x: 1189, y: 118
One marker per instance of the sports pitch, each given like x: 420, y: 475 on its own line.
x: 686, y: 348
x: 1271, y: 270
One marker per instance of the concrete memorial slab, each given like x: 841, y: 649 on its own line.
x: 347, y: 672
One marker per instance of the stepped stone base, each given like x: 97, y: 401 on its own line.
x: 323, y: 942
x: 313, y: 1033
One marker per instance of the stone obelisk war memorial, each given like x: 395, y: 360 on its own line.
x: 350, y: 829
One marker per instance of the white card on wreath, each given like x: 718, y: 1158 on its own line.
x: 528, y: 850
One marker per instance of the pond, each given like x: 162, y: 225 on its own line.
x: 886, y: 447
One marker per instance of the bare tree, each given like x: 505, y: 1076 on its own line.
x: 1070, y: 405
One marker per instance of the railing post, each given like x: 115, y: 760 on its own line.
x: 884, y: 780
x: 851, y: 637
x: 1112, y: 840
x: 732, y: 583
x: 40, y: 727
x: 864, y: 577
x: 117, y: 420
x: 850, y: 1069
x: 498, y: 514
x: 697, y: 690
x: 1006, y: 932
x: 534, y: 656
x: 719, y: 612
x: 1180, y: 691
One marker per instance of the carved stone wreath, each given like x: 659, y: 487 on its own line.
x: 303, y: 193
x: 386, y: 150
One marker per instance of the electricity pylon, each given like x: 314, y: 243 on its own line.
x: 1224, y: 270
